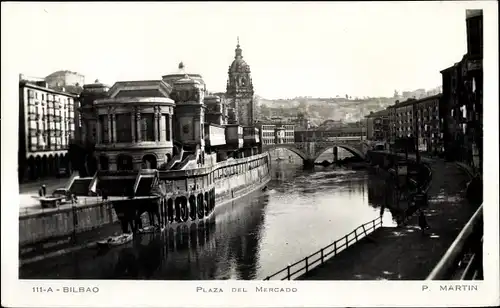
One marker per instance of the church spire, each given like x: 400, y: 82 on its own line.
x: 238, y: 49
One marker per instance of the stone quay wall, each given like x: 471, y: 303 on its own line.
x: 61, y: 224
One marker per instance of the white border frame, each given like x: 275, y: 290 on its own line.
x: 311, y: 294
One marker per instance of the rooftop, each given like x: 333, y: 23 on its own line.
x: 24, y: 83
x: 63, y: 72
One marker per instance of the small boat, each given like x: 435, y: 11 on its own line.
x: 115, y: 240
x: 150, y: 229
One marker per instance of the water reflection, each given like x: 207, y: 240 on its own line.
x: 300, y: 212
x: 382, y: 194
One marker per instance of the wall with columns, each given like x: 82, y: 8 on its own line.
x: 134, y: 144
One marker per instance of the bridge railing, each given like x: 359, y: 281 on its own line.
x: 316, y: 259
x: 463, y: 260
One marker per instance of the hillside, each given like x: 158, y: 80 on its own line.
x: 321, y: 109
x: 347, y: 109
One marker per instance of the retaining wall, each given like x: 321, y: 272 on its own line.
x: 45, y: 226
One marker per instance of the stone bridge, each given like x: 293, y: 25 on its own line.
x: 309, y: 151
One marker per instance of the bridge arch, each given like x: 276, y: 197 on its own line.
x: 290, y: 147
x: 354, y: 151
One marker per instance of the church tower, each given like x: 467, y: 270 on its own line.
x: 239, y: 91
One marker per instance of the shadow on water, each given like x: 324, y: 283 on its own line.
x: 383, y: 195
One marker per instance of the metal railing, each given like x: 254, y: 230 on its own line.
x: 80, y: 202
x: 310, y: 262
x: 463, y: 260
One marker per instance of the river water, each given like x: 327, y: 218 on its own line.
x: 259, y: 234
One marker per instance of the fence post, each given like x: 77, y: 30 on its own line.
x: 335, y: 247
x: 364, y: 230
x: 346, y: 241
x: 356, y: 234
x: 307, y: 264
x: 373, y: 221
x: 321, y: 255
x: 288, y: 272
x: 75, y: 222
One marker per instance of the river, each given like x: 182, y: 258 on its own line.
x: 259, y: 234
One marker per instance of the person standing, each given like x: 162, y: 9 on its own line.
x: 422, y: 222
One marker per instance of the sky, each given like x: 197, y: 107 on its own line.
x: 321, y: 49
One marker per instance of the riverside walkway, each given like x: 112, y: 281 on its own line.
x: 403, y: 253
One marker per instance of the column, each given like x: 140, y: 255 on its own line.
x: 169, y: 129
x: 84, y: 130
x: 109, y: 127
x: 156, y: 127
x: 98, y: 129
x: 113, y: 118
x: 132, y: 126
x: 138, y: 125
x: 163, y: 130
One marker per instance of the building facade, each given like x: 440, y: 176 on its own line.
x: 216, y: 110
x: 378, y: 126
x: 47, y: 120
x: 418, y: 119
x: 277, y: 133
x: 239, y: 91
x: 462, y: 101
x: 134, y: 126
x: 88, y: 114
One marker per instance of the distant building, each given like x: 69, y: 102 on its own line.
x: 331, y: 124
x: 216, y: 110
x: 419, y: 119
x: 378, y: 126
x: 66, y: 81
x: 47, y: 121
x: 239, y: 91
x: 277, y: 133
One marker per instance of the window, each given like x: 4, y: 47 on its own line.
x: 104, y: 162
x: 166, y: 120
x: 103, y: 121
x: 123, y: 129
x: 147, y: 127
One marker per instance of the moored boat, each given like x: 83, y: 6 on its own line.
x: 115, y: 240
x: 150, y: 229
